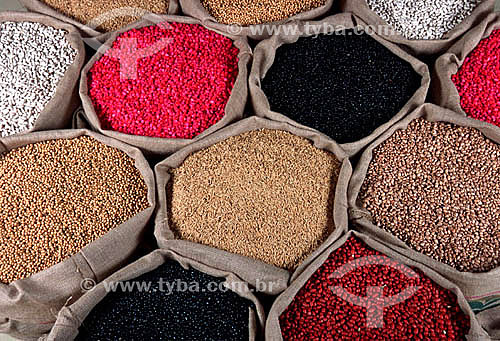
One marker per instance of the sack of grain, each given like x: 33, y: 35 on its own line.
x: 336, y: 297
x: 337, y: 77
x: 76, y: 205
x: 421, y: 28
x: 166, y: 119
x: 269, y: 194
x: 256, y: 20
x: 426, y: 188
x: 42, y: 58
x: 186, y: 299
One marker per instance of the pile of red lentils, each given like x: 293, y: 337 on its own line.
x: 178, y: 89
x: 318, y: 313
x: 477, y: 81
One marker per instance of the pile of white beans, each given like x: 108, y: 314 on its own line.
x: 423, y: 19
x: 34, y: 58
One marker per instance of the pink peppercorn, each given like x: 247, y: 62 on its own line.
x: 316, y: 313
x: 478, y: 81
x: 168, y: 80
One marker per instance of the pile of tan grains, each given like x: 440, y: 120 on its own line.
x: 263, y: 194
x: 251, y: 12
x: 60, y: 195
x: 435, y: 186
x: 110, y: 15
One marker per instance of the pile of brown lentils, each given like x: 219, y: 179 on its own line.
x: 89, y: 10
x: 60, y: 195
x: 264, y: 194
x: 251, y: 12
x: 435, y: 186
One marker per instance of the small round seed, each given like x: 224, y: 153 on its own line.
x: 316, y: 313
x: 344, y: 85
x: 85, y: 11
x: 435, y: 186
x: 251, y: 12
x: 60, y: 195
x: 179, y: 304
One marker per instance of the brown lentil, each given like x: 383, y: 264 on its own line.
x: 251, y: 12
x: 85, y: 11
x: 435, y: 186
x: 58, y: 196
x: 264, y: 194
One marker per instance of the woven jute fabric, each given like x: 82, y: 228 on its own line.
x: 265, y: 53
x: 29, y: 307
x: 70, y: 318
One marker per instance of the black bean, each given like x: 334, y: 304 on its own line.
x: 157, y: 314
x: 344, y: 85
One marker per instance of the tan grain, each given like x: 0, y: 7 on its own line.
x: 263, y: 194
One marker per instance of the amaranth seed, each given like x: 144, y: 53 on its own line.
x: 197, y: 312
x: 60, y: 195
x: 344, y: 85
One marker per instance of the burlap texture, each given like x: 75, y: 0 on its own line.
x: 164, y: 146
x: 29, y: 307
x: 58, y: 112
x: 361, y: 9
x: 444, y: 92
x: 253, y: 271
x: 71, y: 318
x: 475, y: 286
x: 195, y: 9
x: 85, y: 30
x: 265, y: 53
x: 273, y: 330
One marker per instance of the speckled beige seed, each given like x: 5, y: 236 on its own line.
x: 252, y: 12
x: 264, y: 194
x: 60, y: 195
x: 85, y: 11
x: 436, y: 187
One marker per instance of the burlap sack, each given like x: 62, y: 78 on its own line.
x: 195, y: 9
x: 490, y: 320
x: 85, y: 29
x: 476, y: 287
x: 273, y: 330
x: 163, y: 146
x: 252, y: 271
x: 361, y: 9
x: 71, y: 318
x: 58, y: 112
x: 29, y: 307
x: 265, y: 53
x: 444, y: 92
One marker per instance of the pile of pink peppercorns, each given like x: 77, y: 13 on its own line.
x: 178, y: 90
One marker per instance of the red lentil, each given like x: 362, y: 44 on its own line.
x: 316, y: 313
x: 178, y: 92
x: 477, y: 81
